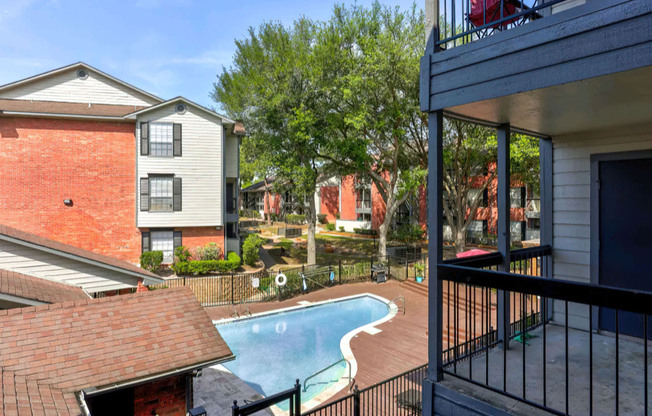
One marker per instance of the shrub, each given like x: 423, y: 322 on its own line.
x: 322, y: 218
x: 337, y: 215
x: 342, y: 228
x: 295, y: 218
x: 181, y: 253
x: 365, y: 231
x: 408, y: 234
x: 231, y: 263
x: 250, y: 249
x: 151, y: 260
x: 250, y: 213
x: 330, y: 227
x: 210, y: 251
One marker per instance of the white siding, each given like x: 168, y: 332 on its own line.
x: 67, y: 87
x: 199, y: 167
x: 231, y: 156
x: 572, y: 203
x: 33, y: 262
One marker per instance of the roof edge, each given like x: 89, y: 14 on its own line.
x: 184, y: 100
x: 75, y: 65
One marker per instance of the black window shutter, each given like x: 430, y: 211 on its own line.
x: 485, y: 197
x: 144, y: 194
x: 176, y: 136
x: 177, y: 240
x: 144, y: 138
x: 146, y: 242
x: 176, y: 193
x: 523, y: 197
x: 485, y: 229
x: 523, y: 229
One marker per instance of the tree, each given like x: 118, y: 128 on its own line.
x: 470, y: 153
x: 271, y: 88
x: 369, y: 75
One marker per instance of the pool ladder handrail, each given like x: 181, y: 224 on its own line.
x: 305, y: 381
x: 402, y: 299
x: 235, y: 313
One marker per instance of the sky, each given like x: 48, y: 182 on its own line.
x: 166, y: 47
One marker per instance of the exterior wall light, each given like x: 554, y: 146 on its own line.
x: 67, y: 202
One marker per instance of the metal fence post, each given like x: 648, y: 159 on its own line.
x: 232, y: 289
x: 372, y: 268
x: 235, y: 408
x: 297, y: 400
x: 340, y: 274
x: 356, y: 401
x: 184, y: 280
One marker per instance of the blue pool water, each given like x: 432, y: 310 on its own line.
x: 272, y: 351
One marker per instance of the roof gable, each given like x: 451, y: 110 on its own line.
x: 185, y: 101
x: 64, y: 85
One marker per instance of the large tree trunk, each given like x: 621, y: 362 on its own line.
x: 312, y: 243
x: 266, y: 207
x: 460, y: 240
x: 390, y: 209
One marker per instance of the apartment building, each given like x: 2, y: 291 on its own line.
x: 91, y: 161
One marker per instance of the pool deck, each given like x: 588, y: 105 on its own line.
x: 400, y: 346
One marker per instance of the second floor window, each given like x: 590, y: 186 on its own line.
x: 161, y: 193
x: 161, y: 139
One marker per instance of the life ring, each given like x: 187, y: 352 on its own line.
x: 281, y: 327
x: 281, y: 280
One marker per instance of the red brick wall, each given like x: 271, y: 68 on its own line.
x: 330, y: 201
x: 348, y: 198
x: 193, y: 237
x: 44, y: 161
x: 274, y: 203
x: 166, y: 397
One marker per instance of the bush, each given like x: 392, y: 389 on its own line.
x: 250, y: 249
x: 295, y: 219
x: 322, y: 218
x: 151, y: 260
x: 330, y: 227
x: 250, y: 213
x: 365, y: 231
x: 342, y: 228
x: 408, y: 234
x: 181, y: 253
x: 231, y: 263
x: 210, y: 251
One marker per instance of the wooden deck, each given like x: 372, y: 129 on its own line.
x: 402, y: 344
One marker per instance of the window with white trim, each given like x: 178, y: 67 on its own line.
x: 163, y: 241
x: 161, y: 137
x: 161, y: 193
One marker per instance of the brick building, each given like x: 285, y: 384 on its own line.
x: 91, y: 161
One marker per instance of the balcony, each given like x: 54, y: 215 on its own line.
x: 514, y: 339
x: 541, y: 64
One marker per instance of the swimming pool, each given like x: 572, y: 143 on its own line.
x: 274, y: 349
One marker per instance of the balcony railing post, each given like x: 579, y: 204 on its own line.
x: 356, y: 401
x: 503, y: 230
x: 297, y: 398
x: 435, y: 257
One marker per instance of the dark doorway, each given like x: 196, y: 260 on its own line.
x: 119, y: 402
x: 625, y: 235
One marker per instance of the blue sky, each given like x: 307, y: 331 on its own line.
x: 167, y: 47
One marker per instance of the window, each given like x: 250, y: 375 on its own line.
x: 484, y: 196
x: 163, y: 241
x: 161, y: 193
x: 161, y: 139
x: 364, y: 217
x: 517, y: 197
x: 231, y: 230
x: 363, y: 198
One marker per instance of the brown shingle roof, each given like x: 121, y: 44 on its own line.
x: 75, y: 251
x: 35, y: 288
x: 57, y: 107
x: 51, y: 352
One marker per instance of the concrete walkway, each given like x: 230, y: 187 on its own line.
x: 266, y: 258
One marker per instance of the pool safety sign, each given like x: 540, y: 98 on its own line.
x: 255, y: 282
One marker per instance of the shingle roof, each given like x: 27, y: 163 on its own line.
x: 51, y: 352
x: 57, y: 107
x: 35, y: 288
x: 77, y: 252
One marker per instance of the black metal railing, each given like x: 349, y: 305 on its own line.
x: 399, y: 395
x: 553, y: 357
x: 292, y: 396
x: 471, y: 325
x: 463, y: 21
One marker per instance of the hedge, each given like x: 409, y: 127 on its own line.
x: 365, y: 231
x: 231, y: 263
x: 330, y: 227
x: 295, y: 218
x: 250, y: 249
